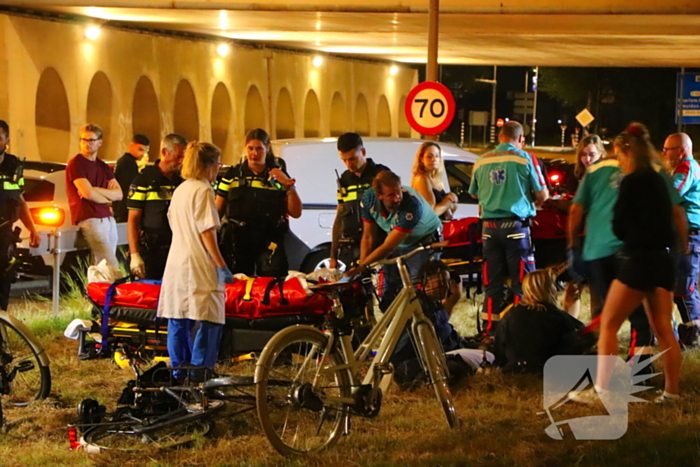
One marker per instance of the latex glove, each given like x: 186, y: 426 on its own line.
x: 137, y: 266
x: 224, y: 275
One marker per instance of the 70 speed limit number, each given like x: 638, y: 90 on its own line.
x: 430, y: 108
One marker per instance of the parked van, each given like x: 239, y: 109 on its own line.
x: 314, y: 164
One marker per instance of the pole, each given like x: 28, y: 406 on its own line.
x: 535, y: 79
x: 431, y: 72
x: 56, y: 282
x: 680, y: 100
x: 492, y: 138
x: 527, y: 79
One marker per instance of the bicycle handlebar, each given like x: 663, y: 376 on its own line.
x: 410, y: 254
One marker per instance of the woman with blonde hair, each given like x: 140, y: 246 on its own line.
x: 645, y: 214
x: 195, y: 273
x: 535, y: 329
x: 428, y: 170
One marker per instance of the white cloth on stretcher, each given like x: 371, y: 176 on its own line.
x: 77, y: 325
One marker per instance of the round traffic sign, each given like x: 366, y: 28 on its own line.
x: 430, y: 108
x: 499, y: 122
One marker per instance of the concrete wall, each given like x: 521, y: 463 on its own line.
x: 129, y: 82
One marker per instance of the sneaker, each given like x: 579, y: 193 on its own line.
x: 666, y: 398
x: 588, y: 396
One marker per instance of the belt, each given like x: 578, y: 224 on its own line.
x: 510, y: 218
x: 693, y: 231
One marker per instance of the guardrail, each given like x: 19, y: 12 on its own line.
x: 65, y: 240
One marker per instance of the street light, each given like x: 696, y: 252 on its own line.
x: 493, y: 82
x: 563, y: 132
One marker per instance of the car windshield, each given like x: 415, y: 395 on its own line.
x: 38, y: 190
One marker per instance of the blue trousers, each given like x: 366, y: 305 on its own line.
x: 508, y: 252
x: 686, y: 295
x: 200, y: 349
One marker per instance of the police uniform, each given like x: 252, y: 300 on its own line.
x: 151, y: 193
x: 686, y: 179
x: 10, y: 203
x: 256, y: 222
x: 350, y: 191
x: 504, y: 181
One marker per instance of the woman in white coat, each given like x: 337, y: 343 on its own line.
x: 195, y: 273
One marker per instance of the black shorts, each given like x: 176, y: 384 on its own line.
x: 647, y: 270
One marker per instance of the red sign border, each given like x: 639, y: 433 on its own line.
x: 451, y: 107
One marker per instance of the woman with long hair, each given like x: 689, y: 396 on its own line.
x: 646, y: 211
x: 535, y: 329
x: 195, y: 273
x: 428, y: 170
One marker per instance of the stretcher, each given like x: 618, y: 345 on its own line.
x: 125, y: 314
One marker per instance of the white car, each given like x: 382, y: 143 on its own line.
x: 314, y: 162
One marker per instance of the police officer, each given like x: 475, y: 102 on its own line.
x: 12, y: 207
x: 149, y: 198
x: 256, y: 196
x: 126, y: 171
x: 506, y: 181
x: 678, y: 151
x: 347, y: 227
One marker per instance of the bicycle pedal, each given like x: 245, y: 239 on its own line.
x: 194, y: 408
x: 387, y: 369
x: 24, y: 366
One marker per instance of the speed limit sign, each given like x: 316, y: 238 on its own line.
x: 430, y: 108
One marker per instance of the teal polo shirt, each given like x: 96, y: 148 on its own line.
x: 504, y: 181
x: 414, y: 215
x: 597, y: 194
x: 686, y: 179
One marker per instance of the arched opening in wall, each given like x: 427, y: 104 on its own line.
x: 220, y: 117
x: 145, y: 116
x: 404, y: 127
x: 338, y: 115
x: 383, y: 117
x: 312, y: 116
x: 52, y: 118
x: 284, y: 116
x: 99, y: 111
x: 361, y: 116
x: 254, y: 110
x: 185, y: 115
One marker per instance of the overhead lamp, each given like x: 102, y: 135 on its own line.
x: 318, y: 60
x: 223, y: 49
x: 393, y: 70
x: 92, y: 32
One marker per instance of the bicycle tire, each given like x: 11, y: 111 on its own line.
x: 32, y: 380
x: 290, y: 394
x: 131, y: 435
x: 435, y: 364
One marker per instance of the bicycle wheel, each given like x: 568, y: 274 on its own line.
x: 435, y: 364
x: 27, y: 378
x: 297, y: 392
x: 131, y: 435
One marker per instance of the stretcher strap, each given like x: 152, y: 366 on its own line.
x: 248, y: 289
x: 105, y: 314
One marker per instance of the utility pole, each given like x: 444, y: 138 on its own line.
x: 431, y: 72
x: 493, y: 82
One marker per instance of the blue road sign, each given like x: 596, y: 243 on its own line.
x: 691, y: 98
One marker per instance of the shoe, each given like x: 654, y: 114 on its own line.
x: 666, y: 398
x: 588, y: 396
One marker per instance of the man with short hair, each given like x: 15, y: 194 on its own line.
x: 352, y: 184
x: 149, y: 198
x: 407, y: 220
x: 126, y: 171
x: 506, y: 181
x: 12, y: 207
x: 678, y: 152
x: 91, y: 186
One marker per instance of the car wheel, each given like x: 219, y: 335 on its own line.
x: 318, y: 260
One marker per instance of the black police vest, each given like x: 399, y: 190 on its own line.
x: 159, y: 194
x: 11, y: 183
x: 254, y: 200
x: 352, y: 188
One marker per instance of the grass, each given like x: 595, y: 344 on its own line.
x: 501, y: 424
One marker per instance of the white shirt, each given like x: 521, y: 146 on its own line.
x: 190, y: 287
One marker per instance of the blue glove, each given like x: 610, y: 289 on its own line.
x: 224, y: 275
x: 577, y: 269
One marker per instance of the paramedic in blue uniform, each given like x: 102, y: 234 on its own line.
x: 352, y: 184
x: 406, y: 218
x: 678, y: 152
x: 150, y: 193
x: 506, y: 181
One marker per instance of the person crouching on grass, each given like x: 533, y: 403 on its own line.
x: 195, y: 273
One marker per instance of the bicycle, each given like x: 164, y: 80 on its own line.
x: 309, y: 382
x: 156, y: 411
x: 24, y: 365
